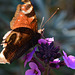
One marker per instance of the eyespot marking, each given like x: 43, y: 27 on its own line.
x: 28, y: 11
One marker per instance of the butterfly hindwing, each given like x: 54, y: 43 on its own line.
x: 18, y: 42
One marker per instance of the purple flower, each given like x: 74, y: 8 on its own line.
x: 48, y: 52
x: 34, y: 69
x: 29, y: 56
x: 56, y: 63
x: 47, y: 40
x: 69, y: 61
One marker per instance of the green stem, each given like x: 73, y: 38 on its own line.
x: 47, y: 70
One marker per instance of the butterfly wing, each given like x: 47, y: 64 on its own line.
x: 24, y: 17
x: 17, y: 42
x: 23, y: 35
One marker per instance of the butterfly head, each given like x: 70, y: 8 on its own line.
x: 41, y: 31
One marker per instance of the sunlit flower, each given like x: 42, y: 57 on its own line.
x: 29, y: 56
x: 69, y: 60
x: 56, y: 63
x: 34, y: 69
x: 47, y: 40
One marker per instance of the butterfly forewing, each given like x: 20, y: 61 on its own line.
x: 24, y: 17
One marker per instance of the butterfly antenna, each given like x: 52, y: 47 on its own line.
x: 42, y: 22
x: 50, y: 17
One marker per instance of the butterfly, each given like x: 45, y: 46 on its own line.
x: 23, y: 34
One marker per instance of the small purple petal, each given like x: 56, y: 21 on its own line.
x: 47, y: 40
x: 34, y: 69
x: 65, y: 54
x: 29, y: 56
x: 40, y: 66
x: 71, y: 57
x: 55, y: 61
x: 42, y: 41
x: 29, y: 72
x: 57, y: 66
x: 25, y: 63
x: 65, y: 60
x: 39, y: 73
x: 69, y: 61
x: 33, y: 65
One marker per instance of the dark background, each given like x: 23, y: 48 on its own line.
x: 61, y: 27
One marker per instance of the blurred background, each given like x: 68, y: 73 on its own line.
x: 61, y: 27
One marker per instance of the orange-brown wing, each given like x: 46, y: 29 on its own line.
x: 17, y: 42
x: 24, y: 16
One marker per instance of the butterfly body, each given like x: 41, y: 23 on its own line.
x: 23, y: 36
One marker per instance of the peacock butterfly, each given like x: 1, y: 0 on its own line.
x: 23, y: 34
